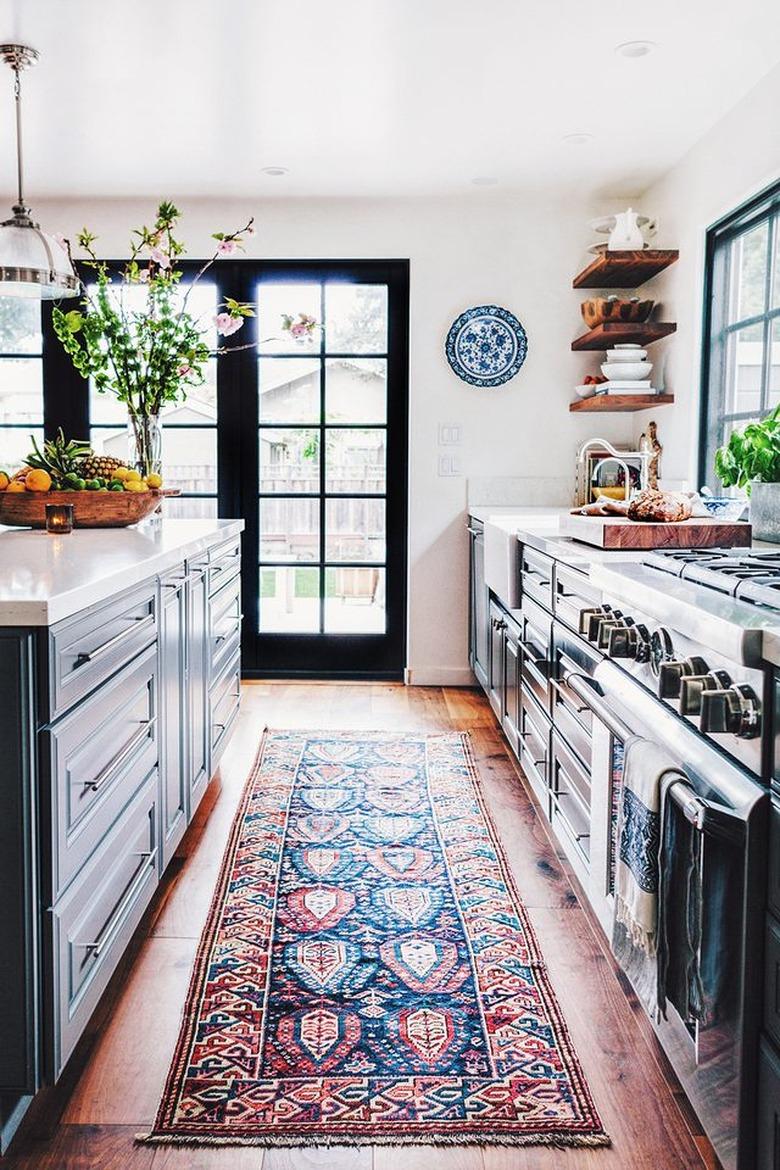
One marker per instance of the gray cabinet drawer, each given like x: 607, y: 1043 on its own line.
x: 225, y: 624
x: 94, y: 922
x: 224, y: 563
x: 768, y: 1109
x: 772, y: 978
x: 774, y: 858
x: 535, y: 747
x: 536, y: 576
x: 572, y: 593
x: 535, y: 665
x: 99, y: 755
x: 225, y: 698
x: 87, y: 649
x: 570, y: 794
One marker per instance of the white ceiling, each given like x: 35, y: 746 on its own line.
x: 370, y: 97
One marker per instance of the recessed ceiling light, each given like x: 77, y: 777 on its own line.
x: 635, y: 49
x: 485, y: 181
x: 275, y: 172
x: 579, y: 139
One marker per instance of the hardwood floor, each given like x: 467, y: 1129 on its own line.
x: 110, y: 1092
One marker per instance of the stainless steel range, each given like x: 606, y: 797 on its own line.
x: 685, y: 649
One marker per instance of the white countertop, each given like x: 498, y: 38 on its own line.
x: 44, y: 579
x: 541, y: 526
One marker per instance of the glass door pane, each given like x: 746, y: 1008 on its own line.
x: 21, y: 380
x: 323, y: 423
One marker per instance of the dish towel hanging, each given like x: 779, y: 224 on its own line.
x: 648, y: 773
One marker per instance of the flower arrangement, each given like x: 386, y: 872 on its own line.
x: 136, y: 337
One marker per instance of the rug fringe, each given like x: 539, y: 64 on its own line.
x: 433, y: 1138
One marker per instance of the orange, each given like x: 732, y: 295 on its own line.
x: 37, y: 480
x: 4, y: 481
x: 16, y: 485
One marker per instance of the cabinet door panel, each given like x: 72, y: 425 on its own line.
x: 172, y: 671
x: 19, y: 1023
x: 496, y: 657
x: 198, y: 655
x: 511, y: 696
x: 479, y: 650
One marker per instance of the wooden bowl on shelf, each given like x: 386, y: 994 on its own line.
x: 600, y: 310
x: 90, y: 509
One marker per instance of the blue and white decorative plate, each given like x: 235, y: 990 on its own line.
x: 486, y: 346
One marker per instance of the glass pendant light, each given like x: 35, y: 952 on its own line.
x: 32, y: 263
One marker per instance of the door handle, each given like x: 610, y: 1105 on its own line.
x: 122, y: 756
x: 92, y: 655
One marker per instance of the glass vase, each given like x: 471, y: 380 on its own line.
x: 144, y: 436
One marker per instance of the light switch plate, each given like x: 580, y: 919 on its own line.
x: 449, y: 434
x: 450, y: 465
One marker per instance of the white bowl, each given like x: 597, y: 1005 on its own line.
x: 587, y: 390
x: 629, y: 371
x: 626, y: 355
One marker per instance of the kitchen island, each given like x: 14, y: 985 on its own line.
x: 119, y: 688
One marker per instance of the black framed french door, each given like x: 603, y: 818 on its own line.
x: 305, y: 440
x: 320, y: 430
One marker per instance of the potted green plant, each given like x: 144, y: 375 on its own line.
x: 751, y: 460
x: 135, y: 335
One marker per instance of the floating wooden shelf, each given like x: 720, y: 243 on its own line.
x: 623, y: 332
x: 607, y: 403
x: 624, y: 269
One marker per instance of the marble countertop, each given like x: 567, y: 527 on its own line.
x: 44, y: 579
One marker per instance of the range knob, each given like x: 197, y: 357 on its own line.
x: 611, y: 627
x: 693, y: 686
x: 588, y: 616
x: 629, y: 641
x: 671, y: 674
x: 591, y: 621
x: 734, y: 710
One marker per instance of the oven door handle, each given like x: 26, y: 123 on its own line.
x: 706, y: 816
x: 587, y: 689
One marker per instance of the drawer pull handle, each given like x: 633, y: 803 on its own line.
x: 566, y: 697
x: 106, y: 935
x: 121, y: 757
x: 117, y: 640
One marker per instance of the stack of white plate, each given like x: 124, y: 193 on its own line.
x: 627, y: 371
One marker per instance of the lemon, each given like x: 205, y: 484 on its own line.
x: 121, y: 473
x: 154, y: 480
x: 135, y: 485
x: 16, y: 485
x: 132, y: 476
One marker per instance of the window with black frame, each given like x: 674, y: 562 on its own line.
x: 741, y: 355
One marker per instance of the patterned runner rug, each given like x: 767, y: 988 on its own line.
x: 368, y: 973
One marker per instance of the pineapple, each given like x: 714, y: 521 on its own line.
x: 99, y: 466
x: 59, y: 458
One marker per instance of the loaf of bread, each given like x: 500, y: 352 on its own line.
x: 663, y: 507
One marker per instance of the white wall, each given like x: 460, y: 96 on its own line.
x: 516, y: 252
x: 736, y: 159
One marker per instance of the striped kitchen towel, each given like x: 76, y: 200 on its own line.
x: 648, y: 772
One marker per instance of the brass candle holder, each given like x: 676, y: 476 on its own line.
x: 59, y: 518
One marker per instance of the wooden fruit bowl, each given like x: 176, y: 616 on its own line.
x: 90, y: 509
x: 600, y: 310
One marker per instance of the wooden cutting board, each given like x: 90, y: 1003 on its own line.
x: 617, y: 532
